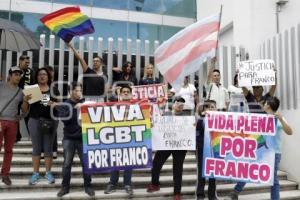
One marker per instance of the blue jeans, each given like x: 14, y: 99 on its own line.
x: 114, y: 177
x: 275, y: 189
x: 70, y: 147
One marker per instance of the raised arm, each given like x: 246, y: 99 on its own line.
x: 287, y: 129
x: 273, y: 87
x: 81, y: 60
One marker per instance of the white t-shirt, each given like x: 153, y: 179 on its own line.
x: 188, y: 94
x: 218, y: 94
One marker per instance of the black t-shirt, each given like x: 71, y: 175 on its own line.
x: 121, y: 77
x: 149, y: 81
x: 27, y: 78
x: 255, y: 106
x: 40, y: 109
x: 93, y: 84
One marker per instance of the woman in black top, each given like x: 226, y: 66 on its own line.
x: 149, y: 77
x: 42, y: 127
x: 126, y: 74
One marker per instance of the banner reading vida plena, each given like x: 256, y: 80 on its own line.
x: 239, y: 146
x: 116, y: 136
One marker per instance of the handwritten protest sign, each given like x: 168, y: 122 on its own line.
x: 116, y: 136
x: 156, y: 93
x: 239, y: 146
x: 174, y: 133
x: 256, y: 73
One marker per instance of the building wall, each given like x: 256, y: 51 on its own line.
x: 253, y: 20
x: 290, y: 160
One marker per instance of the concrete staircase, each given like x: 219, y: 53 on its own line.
x: 22, y: 168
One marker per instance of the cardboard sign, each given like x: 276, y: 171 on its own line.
x: 256, y: 73
x: 174, y: 133
x: 156, y: 93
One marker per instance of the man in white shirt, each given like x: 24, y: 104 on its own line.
x: 215, y: 91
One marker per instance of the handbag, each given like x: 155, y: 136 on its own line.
x: 46, y: 125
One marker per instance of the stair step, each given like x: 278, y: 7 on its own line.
x: 100, y: 181
x: 27, y: 160
x: 223, y: 190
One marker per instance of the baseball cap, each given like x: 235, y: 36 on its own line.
x: 15, y: 69
x: 179, y: 99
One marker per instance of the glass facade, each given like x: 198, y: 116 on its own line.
x: 180, y: 8
x: 117, y: 29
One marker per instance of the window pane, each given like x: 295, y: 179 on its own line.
x: 152, y: 6
x: 182, y: 8
x: 73, y: 2
x: 114, y: 4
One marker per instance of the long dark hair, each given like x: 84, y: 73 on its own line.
x: 48, y: 74
x: 125, y: 65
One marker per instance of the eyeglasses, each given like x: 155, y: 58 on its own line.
x: 43, y: 74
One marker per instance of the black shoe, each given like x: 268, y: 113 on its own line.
x: 6, y: 180
x: 110, y: 188
x: 213, y: 198
x: 128, y: 190
x: 89, y: 191
x: 62, y: 192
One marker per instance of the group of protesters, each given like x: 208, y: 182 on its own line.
x: 41, y: 120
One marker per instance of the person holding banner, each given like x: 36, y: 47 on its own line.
x: 178, y: 158
x: 209, y: 105
x: 125, y: 95
x: 149, y: 77
x: 270, y: 107
x: 72, y: 140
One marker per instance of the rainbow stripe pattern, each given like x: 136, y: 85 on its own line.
x: 86, y: 124
x: 68, y: 22
x: 216, y: 136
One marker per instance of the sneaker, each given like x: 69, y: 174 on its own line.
x: 234, y: 195
x: 89, y: 191
x: 177, y: 197
x: 62, y: 192
x: 110, y: 189
x: 50, y: 178
x: 6, y: 180
x: 34, y: 178
x: 153, y: 188
x: 128, y: 190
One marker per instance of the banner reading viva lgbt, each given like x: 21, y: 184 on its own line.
x: 116, y: 136
x: 239, y: 146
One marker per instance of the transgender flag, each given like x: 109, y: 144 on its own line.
x: 68, y: 22
x: 183, y: 53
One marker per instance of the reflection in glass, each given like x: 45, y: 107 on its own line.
x: 113, y: 4
x: 73, y: 2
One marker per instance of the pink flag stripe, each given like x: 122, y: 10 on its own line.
x: 172, y: 74
x: 201, y: 32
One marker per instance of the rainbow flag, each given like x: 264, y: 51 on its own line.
x: 216, y: 136
x: 68, y: 22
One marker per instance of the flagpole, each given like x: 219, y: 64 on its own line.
x: 220, y: 17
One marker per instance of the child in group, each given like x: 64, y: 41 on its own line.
x: 209, y: 105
